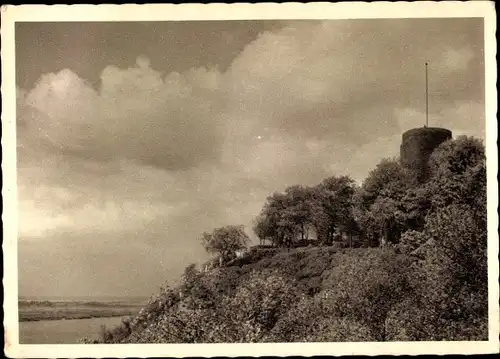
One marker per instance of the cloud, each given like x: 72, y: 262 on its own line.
x: 151, y: 159
x: 68, y: 194
x: 457, y: 59
x: 464, y: 117
x: 350, y: 73
x: 138, y: 115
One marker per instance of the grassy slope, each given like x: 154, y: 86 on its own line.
x: 310, y: 294
x: 325, y: 287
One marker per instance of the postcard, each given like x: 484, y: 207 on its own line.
x: 250, y: 179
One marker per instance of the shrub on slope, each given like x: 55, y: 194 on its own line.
x: 357, y: 292
x: 450, y: 274
x: 272, y: 300
x: 244, y: 316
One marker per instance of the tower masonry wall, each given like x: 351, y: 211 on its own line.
x: 417, y: 147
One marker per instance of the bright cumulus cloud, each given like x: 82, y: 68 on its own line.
x: 151, y: 158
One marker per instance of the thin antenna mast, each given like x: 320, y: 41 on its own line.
x: 426, y: 97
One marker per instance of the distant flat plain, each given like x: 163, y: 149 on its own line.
x: 66, y: 321
x: 30, y: 310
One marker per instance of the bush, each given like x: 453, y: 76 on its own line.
x: 450, y: 279
x: 312, y: 319
x: 411, y: 241
x: 365, y: 288
x: 258, y: 303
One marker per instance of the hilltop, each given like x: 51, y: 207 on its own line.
x: 418, y: 272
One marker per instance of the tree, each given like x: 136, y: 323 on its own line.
x: 450, y: 250
x: 225, y: 241
x: 455, y: 157
x: 380, y: 207
x: 271, y: 223
x: 414, y: 207
x: 326, y: 207
x: 461, y: 238
x: 385, y: 222
x: 332, y: 207
x: 458, y: 170
x: 284, y: 216
x: 351, y: 227
x: 451, y: 258
x: 263, y: 228
x: 388, y: 179
x: 299, y: 208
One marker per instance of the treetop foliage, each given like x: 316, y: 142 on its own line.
x: 225, y: 240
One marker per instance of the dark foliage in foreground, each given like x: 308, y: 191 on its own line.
x: 429, y: 282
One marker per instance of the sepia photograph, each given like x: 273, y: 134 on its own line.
x: 240, y: 174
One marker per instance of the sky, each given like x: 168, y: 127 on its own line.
x: 134, y: 138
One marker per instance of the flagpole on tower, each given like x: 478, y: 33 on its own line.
x: 426, y: 97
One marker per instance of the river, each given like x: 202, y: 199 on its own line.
x: 68, y: 331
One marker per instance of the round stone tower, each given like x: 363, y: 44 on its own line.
x: 418, y: 145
